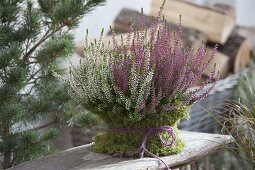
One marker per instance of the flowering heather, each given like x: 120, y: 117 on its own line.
x: 149, y: 72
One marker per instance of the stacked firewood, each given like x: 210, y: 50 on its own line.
x: 208, y: 24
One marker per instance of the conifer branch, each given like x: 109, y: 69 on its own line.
x: 26, y: 56
x: 27, y: 87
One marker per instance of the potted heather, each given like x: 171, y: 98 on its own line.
x: 139, y: 88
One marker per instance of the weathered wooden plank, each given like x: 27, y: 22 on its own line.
x: 81, y: 158
x: 215, y: 22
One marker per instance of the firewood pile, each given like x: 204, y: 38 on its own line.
x: 209, y: 24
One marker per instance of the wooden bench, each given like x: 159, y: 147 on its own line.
x: 198, y: 145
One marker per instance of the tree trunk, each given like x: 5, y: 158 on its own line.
x: 7, y: 161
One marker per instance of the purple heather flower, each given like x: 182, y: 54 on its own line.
x: 175, y: 68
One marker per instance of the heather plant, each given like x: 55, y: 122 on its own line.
x: 140, y: 88
x: 144, y: 75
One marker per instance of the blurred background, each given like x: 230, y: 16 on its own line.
x: 94, y: 21
x: 236, y: 26
x: 229, y: 23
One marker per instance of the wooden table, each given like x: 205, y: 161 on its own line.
x: 197, y: 146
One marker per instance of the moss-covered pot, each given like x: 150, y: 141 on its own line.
x: 123, y: 143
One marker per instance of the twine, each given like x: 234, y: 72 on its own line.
x: 147, y: 132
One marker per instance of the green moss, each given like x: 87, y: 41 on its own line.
x: 122, y: 143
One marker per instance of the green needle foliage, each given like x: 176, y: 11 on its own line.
x: 33, y: 34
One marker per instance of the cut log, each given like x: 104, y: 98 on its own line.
x: 237, y: 48
x: 222, y: 63
x: 247, y: 32
x: 190, y: 37
x: 242, y: 57
x: 215, y: 22
x: 79, y: 49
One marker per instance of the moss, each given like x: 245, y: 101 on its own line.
x: 122, y: 143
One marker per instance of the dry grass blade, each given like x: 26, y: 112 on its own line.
x: 240, y: 120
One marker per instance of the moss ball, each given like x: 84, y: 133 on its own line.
x: 123, y: 143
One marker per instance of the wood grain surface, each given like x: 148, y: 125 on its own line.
x: 197, y: 145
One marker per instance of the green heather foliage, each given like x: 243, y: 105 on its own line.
x: 33, y: 34
x: 138, y: 82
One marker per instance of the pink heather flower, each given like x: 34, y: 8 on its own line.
x: 175, y: 68
x: 121, y: 74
